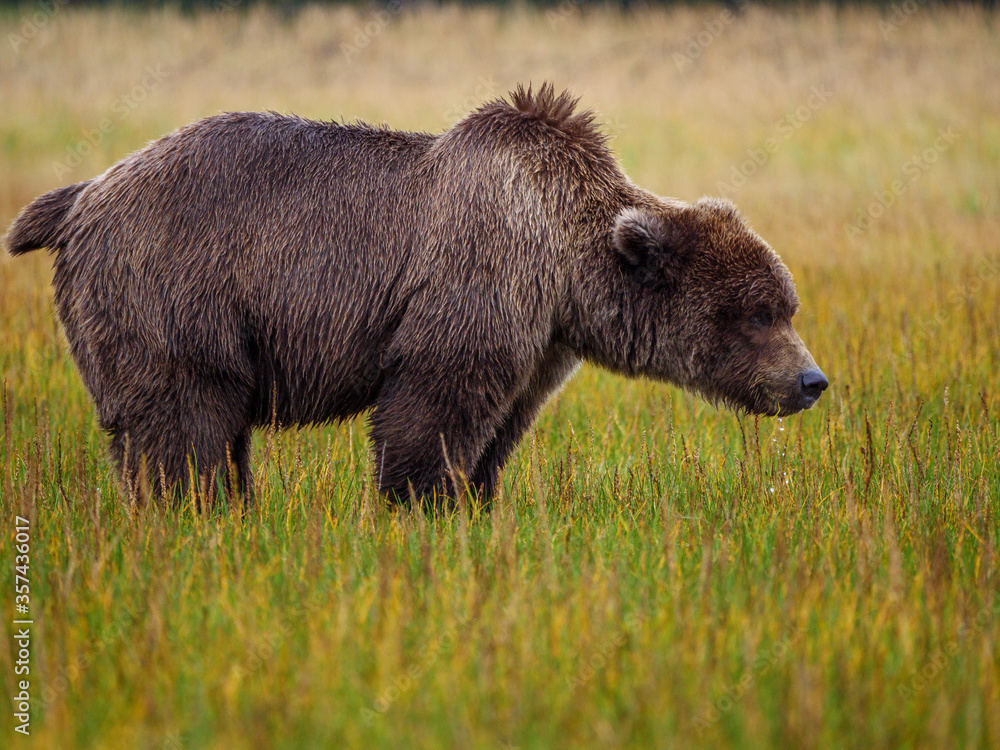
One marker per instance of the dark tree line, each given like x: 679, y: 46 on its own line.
x: 291, y: 5
x: 193, y: 4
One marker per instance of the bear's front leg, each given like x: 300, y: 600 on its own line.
x: 429, y: 437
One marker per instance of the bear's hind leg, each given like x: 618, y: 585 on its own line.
x: 240, y: 471
x: 188, y: 428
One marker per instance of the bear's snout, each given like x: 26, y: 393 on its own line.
x: 812, y: 383
x: 791, y: 380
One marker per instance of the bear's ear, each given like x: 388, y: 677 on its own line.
x: 644, y: 241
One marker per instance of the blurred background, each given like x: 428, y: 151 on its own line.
x: 860, y: 139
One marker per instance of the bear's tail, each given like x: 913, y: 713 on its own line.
x: 41, y: 222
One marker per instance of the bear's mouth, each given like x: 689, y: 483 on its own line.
x: 764, y: 401
x: 793, y: 404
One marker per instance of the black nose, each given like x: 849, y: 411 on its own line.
x: 812, y: 383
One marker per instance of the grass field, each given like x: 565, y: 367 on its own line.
x: 656, y: 573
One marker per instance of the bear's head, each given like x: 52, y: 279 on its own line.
x: 721, y: 302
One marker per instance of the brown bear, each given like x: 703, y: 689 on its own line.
x: 255, y: 267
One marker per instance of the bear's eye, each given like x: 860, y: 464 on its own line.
x: 762, y: 319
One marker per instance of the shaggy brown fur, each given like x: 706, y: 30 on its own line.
x: 254, y: 266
